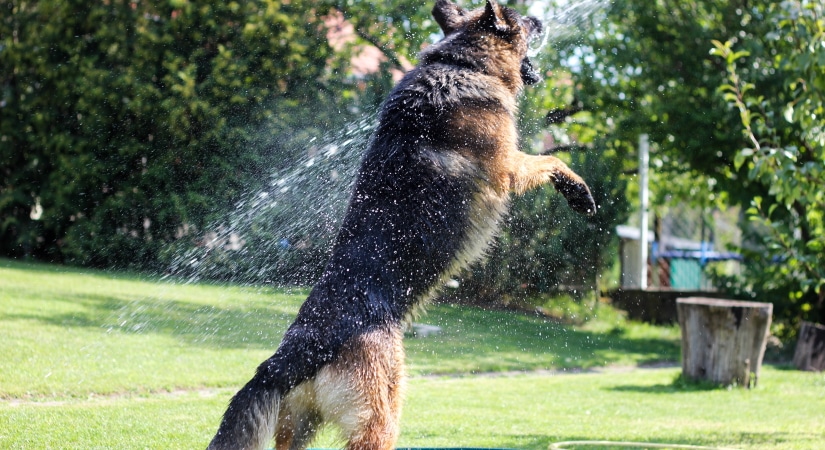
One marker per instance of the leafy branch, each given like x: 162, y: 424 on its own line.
x: 786, y: 161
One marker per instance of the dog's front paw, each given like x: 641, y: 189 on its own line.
x: 583, y: 204
x: 578, y: 196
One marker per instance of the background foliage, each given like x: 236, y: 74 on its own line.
x: 783, y: 126
x: 127, y: 125
x: 648, y: 69
x: 131, y: 131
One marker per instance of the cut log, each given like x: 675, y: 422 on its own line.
x: 723, y: 341
x: 810, y: 348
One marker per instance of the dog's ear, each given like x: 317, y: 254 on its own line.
x: 449, y: 16
x: 492, y: 18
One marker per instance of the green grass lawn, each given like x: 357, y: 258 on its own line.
x: 99, y: 360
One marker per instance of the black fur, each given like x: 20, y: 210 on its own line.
x: 407, y: 216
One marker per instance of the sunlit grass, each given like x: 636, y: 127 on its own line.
x: 474, y: 340
x: 100, y: 360
x: 530, y: 411
x: 787, y: 411
x: 75, y: 333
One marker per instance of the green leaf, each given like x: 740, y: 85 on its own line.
x: 739, y: 54
x: 788, y: 113
x: 738, y: 160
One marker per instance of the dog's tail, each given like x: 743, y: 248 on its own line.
x: 250, y: 421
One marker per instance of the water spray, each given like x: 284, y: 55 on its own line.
x: 273, y: 232
x: 563, y: 21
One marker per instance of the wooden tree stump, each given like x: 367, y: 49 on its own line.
x: 723, y: 341
x: 810, y: 348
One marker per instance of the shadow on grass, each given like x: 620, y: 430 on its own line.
x: 679, y: 385
x: 785, y: 366
x: 226, y: 327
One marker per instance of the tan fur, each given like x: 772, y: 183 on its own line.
x: 360, y: 392
x: 508, y: 168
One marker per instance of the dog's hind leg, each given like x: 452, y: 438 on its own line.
x: 362, y: 390
x: 530, y: 171
x: 295, y: 433
x: 298, y: 420
x: 304, y: 431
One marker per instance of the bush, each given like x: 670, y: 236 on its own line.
x: 124, y: 125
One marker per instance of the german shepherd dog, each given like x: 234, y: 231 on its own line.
x: 430, y: 194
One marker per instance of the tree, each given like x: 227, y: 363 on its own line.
x: 648, y: 70
x: 124, y: 125
x: 784, y: 131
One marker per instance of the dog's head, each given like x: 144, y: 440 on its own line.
x: 499, y: 27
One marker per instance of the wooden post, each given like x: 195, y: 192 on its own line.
x: 810, y: 348
x: 723, y: 341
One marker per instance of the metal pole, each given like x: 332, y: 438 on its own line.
x: 644, y: 162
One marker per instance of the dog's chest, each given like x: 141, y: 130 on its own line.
x: 485, y: 214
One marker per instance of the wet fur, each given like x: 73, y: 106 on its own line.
x: 429, y: 197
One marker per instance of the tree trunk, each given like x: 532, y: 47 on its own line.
x: 810, y: 348
x: 723, y: 341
